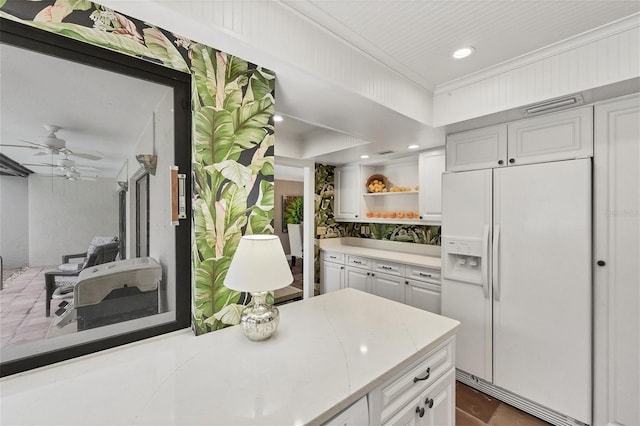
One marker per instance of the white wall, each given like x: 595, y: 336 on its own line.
x: 65, y: 215
x: 14, y: 222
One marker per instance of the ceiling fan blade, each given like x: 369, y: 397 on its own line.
x: 39, y: 164
x: 21, y: 146
x: 87, y: 168
x: 85, y: 155
x: 33, y: 143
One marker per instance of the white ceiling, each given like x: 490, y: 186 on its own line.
x: 97, y: 110
x: 417, y: 38
x: 413, y: 37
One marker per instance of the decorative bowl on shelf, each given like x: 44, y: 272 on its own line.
x: 377, y: 183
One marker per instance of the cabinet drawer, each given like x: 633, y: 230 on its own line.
x: 423, y: 274
x: 401, y: 390
x: 388, y: 267
x: 332, y: 256
x: 360, y: 262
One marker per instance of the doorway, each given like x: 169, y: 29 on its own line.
x: 142, y: 216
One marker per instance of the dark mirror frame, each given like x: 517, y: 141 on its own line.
x: 27, y: 37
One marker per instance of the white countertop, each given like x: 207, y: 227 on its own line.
x: 407, y: 253
x: 328, y: 352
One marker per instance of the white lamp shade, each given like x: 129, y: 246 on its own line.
x: 259, y: 264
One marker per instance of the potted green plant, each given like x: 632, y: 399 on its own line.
x: 293, y: 213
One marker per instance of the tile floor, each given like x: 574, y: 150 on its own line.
x: 473, y: 408
x: 22, y: 307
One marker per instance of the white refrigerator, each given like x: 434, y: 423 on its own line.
x: 516, y: 254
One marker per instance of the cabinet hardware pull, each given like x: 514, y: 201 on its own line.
x: 368, y: 273
x: 373, y: 275
x: 428, y: 402
x: 358, y: 262
x: 420, y: 411
x: 425, y: 377
x: 424, y: 275
x: 333, y: 257
x: 601, y: 263
x: 500, y: 162
x: 342, y: 267
x: 512, y: 160
x: 406, y: 282
x: 386, y: 267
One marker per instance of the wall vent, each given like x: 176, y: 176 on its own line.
x: 553, y: 105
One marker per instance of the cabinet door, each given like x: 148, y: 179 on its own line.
x: 387, y: 286
x: 357, y: 278
x: 440, y: 402
x: 434, y: 407
x: 431, y: 167
x: 560, y: 136
x: 477, y: 149
x: 616, y: 273
x: 332, y: 277
x: 347, y: 192
x: 409, y: 415
x: 422, y: 295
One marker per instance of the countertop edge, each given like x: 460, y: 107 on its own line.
x: 366, y: 389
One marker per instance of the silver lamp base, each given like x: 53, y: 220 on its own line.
x: 261, y: 320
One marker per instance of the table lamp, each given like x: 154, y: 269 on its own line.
x: 259, y: 266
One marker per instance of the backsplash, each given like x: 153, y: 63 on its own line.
x: 324, y: 199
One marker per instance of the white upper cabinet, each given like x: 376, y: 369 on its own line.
x: 560, y: 136
x: 347, y: 192
x: 477, y: 149
x: 430, y: 169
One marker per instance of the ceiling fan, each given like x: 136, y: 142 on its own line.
x: 51, y: 144
x: 63, y: 164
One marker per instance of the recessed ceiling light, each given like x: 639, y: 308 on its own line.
x: 364, y: 156
x: 463, y: 52
x: 414, y: 146
x: 277, y: 117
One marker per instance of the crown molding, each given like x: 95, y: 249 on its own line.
x: 588, y: 37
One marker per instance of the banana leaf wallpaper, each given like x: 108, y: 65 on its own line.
x: 232, y: 145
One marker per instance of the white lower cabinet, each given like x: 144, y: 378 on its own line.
x: 332, y: 272
x: 433, y: 407
x: 423, y: 295
x: 412, y: 285
x: 388, y: 286
x: 357, y: 278
x: 423, y: 394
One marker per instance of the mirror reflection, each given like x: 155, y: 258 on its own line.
x: 87, y: 247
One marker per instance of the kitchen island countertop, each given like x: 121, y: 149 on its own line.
x: 328, y: 352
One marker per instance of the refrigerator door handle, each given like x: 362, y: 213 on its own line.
x: 484, y: 260
x: 496, y: 274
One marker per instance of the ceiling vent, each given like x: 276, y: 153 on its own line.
x: 553, y: 105
x: 386, y: 152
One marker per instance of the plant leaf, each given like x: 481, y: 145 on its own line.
x: 163, y: 49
